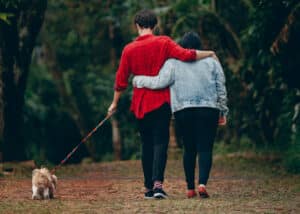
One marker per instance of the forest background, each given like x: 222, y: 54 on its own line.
x: 58, y: 60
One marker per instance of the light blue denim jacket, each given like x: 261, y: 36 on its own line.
x: 192, y: 84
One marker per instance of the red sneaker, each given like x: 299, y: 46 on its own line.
x: 191, y: 193
x: 202, y: 192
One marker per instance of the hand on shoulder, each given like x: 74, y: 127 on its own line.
x: 222, y: 121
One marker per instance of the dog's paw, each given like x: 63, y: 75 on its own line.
x: 51, y: 196
x: 46, y: 197
x: 36, y: 197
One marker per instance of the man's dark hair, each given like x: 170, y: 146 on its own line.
x: 145, y: 19
x: 190, y: 40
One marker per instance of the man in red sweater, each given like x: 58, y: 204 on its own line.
x: 145, y: 56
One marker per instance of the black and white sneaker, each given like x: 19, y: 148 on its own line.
x: 149, y: 195
x: 160, y: 194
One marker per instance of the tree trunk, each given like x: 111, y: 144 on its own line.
x: 213, y: 5
x: 116, y: 134
x: 11, y: 126
x: 116, y: 138
x: 1, y: 96
x: 1, y: 114
x: 17, y: 42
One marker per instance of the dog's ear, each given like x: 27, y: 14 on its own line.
x: 54, y: 179
x: 35, y: 171
x: 44, y: 168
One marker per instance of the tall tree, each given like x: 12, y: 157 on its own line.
x: 20, y: 24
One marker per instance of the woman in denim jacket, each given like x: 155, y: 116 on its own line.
x: 198, y: 101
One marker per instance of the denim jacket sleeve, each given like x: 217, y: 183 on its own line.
x: 162, y: 80
x: 221, y: 89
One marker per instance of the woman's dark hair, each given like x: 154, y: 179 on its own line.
x: 190, y: 40
x: 145, y: 19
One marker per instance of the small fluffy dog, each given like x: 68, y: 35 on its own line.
x: 43, y: 184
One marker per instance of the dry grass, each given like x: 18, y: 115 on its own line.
x: 237, y: 185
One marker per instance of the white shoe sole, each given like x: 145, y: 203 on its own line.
x: 160, y: 196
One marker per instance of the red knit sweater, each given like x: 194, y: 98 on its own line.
x: 145, y: 56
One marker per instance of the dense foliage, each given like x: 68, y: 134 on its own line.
x: 72, y: 73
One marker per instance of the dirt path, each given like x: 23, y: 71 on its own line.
x: 117, y: 188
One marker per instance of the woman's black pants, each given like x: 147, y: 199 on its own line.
x: 197, y: 127
x: 154, y: 131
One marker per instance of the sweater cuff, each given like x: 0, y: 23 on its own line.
x: 119, y: 88
x: 194, y: 55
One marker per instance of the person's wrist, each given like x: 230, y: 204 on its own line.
x: 134, y: 82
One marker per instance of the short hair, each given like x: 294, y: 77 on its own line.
x: 145, y: 19
x: 190, y: 40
